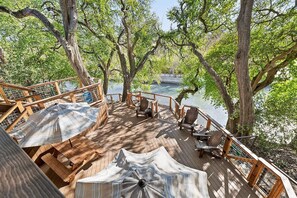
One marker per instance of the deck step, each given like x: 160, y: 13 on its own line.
x: 59, y: 168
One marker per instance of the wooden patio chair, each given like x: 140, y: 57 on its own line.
x: 188, y: 121
x: 208, y: 141
x: 142, y: 107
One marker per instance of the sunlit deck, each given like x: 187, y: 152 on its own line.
x: 139, y: 135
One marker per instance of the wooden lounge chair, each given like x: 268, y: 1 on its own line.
x: 208, y: 141
x: 188, y: 121
x: 143, y: 107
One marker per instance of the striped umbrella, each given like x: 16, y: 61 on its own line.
x: 57, y: 123
x: 153, y: 174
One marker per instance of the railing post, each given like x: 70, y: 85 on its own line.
x: 170, y: 104
x: 208, y: 124
x: 255, y: 173
x: 21, y: 109
x: 154, y: 96
x: 29, y: 109
x: 2, y: 93
x: 36, y: 98
x: 176, y: 109
x: 277, y: 189
x: 120, y: 97
x: 111, y: 98
x: 72, y: 97
x: 227, y: 146
x: 57, y: 88
x: 129, y: 99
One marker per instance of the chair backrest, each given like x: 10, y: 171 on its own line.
x: 143, y: 104
x: 215, y: 138
x: 191, y: 115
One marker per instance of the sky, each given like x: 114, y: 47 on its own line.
x: 161, y: 7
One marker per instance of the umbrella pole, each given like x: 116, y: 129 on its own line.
x: 70, y: 143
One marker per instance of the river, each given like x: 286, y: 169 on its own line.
x: 219, y: 114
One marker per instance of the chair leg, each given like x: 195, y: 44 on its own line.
x: 201, y: 152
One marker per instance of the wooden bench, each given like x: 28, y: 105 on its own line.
x: 63, y: 172
x: 66, y: 174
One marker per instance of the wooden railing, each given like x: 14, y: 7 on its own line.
x: 259, y: 173
x: 11, y: 92
x: 24, y: 106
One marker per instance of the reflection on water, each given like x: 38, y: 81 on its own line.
x: 219, y: 114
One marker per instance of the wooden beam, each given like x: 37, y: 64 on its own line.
x: 7, y: 113
x: 2, y: 93
x: 16, y: 86
x: 244, y: 159
x: 12, y: 125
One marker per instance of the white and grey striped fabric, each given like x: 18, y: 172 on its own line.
x: 164, y: 177
x: 56, y: 123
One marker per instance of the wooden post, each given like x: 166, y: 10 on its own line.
x: 100, y: 92
x: 72, y: 97
x: 21, y: 109
x: 153, y: 109
x: 277, y: 189
x: 2, y: 93
x: 40, y: 105
x: 208, y: 124
x: 129, y: 99
x: 111, y: 98
x: 182, y: 112
x: 120, y: 98
x: 227, y: 146
x: 26, y: 93
x: 176, y: 109
x: 29, y: 109
x: 255, y: 173
x: 154, y: 96
x: 170, y: 104
x: 57, y: 88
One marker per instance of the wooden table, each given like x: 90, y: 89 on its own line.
x: 20, y: 176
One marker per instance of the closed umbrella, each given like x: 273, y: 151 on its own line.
x: 56, y: 123
x: 153, y: 174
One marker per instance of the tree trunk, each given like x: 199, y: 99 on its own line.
x: 105, y: 82
x: 232, y: 124
x: 246, y: 115
x: 126, y: 87
x: 76, y: 62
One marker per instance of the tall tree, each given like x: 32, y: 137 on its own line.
x: 139, y: 41
x: 246, y: 117
x: 272, y: 48
x: 68, y: 41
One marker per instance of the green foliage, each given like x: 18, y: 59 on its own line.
x: 30, y: 49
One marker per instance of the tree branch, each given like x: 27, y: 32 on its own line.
x: 26, y: 12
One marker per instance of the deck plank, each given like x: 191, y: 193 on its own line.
x: 139, y: 135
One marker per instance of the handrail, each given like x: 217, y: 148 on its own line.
x: 16, y: 87
x: 282, y: 183
x: 51, y: 82
x: 62, y: 95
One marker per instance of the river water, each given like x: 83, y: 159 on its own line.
x: 219, y: 114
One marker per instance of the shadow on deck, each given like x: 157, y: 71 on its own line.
x: 140, y: 135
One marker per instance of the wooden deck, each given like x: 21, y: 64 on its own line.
x: 139, y: 135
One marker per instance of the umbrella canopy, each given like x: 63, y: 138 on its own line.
x: 153, y: 174
x: 56, y: 123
